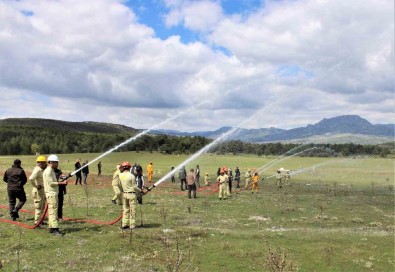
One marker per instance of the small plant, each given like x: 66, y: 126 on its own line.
x: 278, y: 260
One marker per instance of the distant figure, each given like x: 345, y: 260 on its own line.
x: 197, y: 175
x: 173, y: 179
x: 99, y: 168
x: 78, y: 178
x: 182, y: 175
x: 222, y: 180
x: 279, y: 179
x: 206, y: 180
x: 230, y: 179
x: 288, y: 179
x: 237, y: 177
x: 61, y: 194
x: 255, y: 181
x: 191, y: 179
x: 150, y: 171
x: 85, y: 171
x: 15, y: 178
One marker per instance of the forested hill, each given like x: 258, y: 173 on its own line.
x: 31, y: 136
x: 86, y: 127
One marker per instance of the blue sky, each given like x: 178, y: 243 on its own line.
x: 140, y: 62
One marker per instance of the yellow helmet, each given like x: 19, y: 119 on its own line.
x: 41, y: 159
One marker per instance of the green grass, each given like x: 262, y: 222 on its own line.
x: 338, y: 218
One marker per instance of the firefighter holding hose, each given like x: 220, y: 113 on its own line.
x: 129, y: 189
x: 36, y: 179
x: 51, y: 188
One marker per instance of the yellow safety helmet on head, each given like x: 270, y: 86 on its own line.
x: 41, y: 159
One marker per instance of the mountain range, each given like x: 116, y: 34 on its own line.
x: 341, y: 129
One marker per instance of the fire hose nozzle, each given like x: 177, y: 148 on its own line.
x: 65, y: 177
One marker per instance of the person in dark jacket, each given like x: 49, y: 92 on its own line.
x: 173, y: 178
x: 182, y: 175
x: 99, y: 168
x: 62, y: 193
x: 197, y: 176
x: 78, y: 177
x: 140, y: 183
x: 85, y: 171
x: 15, y: 177
x: 219, y: 171
x: 237, y: 177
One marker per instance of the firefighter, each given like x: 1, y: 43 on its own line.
x: 248, y: 178
x: 15, y: 178
x: 279, y: 179
x: 116, y: 185
x: 206, y: 180
x: 129, y: 189
x: 222, y: 179
x: 36, y: 179
x: 288, y: 178
x: 150, y: 171
x: 51, y: 188
x: 255, y: 181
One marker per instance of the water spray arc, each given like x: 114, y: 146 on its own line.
x: 135, y: 137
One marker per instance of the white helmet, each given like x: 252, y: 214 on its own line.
x: 53, y: 158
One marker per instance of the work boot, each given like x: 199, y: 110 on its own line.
x: 50, y: 230
x: 125, y: 227
x: 56, y: 232
x: 113, y: 201
x: 15, y: 212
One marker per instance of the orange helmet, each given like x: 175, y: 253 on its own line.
x: 225, y: 169
x: 222, y: 172
x: 126, y: 165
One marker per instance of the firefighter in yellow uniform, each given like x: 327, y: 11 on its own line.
x: 36, y: 179
x: 288, y: 179
x: 129, y: 189
x: 255, y: 181
x: 207, y: 180
x: 248, y: 178
x: 51, y: 188
x: 116, y: 186
x: 223, y: 181
x: 150, y: 171
x: 279, y: 179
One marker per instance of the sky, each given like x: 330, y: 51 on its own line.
x: 139, y: 62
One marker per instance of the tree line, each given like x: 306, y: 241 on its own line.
x: 19, y: 140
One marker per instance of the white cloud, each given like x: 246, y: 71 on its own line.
x: 82, y: 61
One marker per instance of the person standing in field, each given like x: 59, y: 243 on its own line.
x: 150, y: 171
x: 15, y: 178
x: 51, y: 188
x: 255, y: 181
x: 227, y: 189
x: 62, y: 192
x: 222, y: 180
x: 237, y: 177
x: 173, y: 179
x: 99, y: 168
x: 219, y: 171
x: 116, y: 185
x: 182, y: 175
x: 279, y: 179
x: 247, y: 178
x: 85, y: 171
x: 288, y: 179
x: 230, y: 179
x: 206, y: 180
x: 36, y: 179
x: 191, y: 182
x: 129, y: 189
x: 140, y: 184
x: 197, y: 176
x: 78, y: 178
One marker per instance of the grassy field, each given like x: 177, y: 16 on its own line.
x: 339, y: 217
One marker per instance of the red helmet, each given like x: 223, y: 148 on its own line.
x: 225, y: 169
x: 126, y: 165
